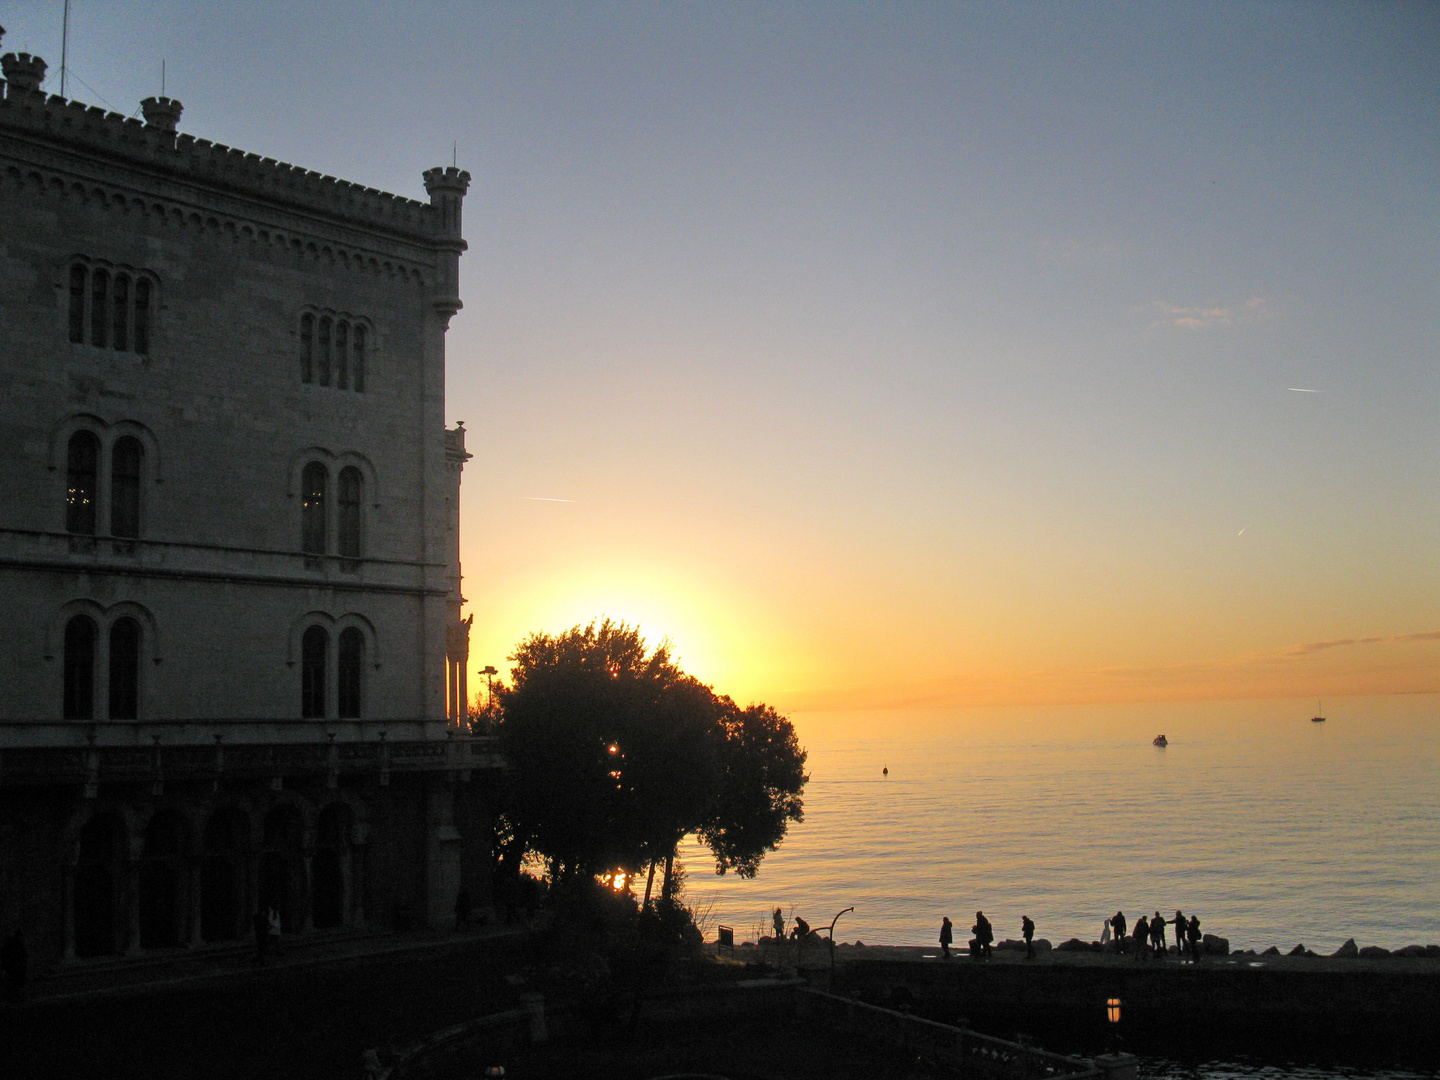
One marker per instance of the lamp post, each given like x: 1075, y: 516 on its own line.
x: 1112, y: 1017
x: 489, y: 672
x: 832, y: 936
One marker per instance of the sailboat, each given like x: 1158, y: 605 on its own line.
x: 1319, y: 717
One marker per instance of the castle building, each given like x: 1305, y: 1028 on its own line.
x: 232, y: 664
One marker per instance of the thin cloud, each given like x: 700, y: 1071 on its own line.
x: 542, y: 498
x: 1337, y: 643
x: 1253, y: 310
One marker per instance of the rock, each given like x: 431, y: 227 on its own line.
x: 1215, y: 945
x: 1433, y: 951
x: 1073, y: 945
x: 859, y: 944
x: 1348, y: 951
x: 1410, y: 950
x: 1010, y: 945
x: 1373, y: 952
x: 1298, y: 950
x: 1042, y: 944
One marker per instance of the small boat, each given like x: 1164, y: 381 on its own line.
x: 1319, y: 717
x: 1160, y: 740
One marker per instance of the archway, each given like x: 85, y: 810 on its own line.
x: 282, y: 867
x: 97, y: 883
x: 161, y: 882
x: 222, y: 879
x: 332, y: 866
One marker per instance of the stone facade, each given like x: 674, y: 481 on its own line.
x: 232, y: 672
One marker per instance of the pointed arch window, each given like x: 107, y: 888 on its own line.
x: 110, y: 307
x: 142, y: 316
x: 99, y: 308
x: 348, y: 674
x: 120, y: 299
x: 312, y: 509
x: 79, y: 674
x: 333, y: 351
x: 357, y: 366
x: 313, y: 647
x: 342, y: 355
x: 77, y: 304
x: 125, y: 669
x: 82, y: 465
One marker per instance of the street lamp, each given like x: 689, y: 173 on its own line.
x: 489, y: 672
x: 1112, y: 1015
x: 832, y: 936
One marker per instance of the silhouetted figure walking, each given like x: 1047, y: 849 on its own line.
x: 1192, y: 934
x: 947, y: 935
x: 1157, y: 935
x: 1117, y: 928
x: 984, y: 934
x: 1027, y: 931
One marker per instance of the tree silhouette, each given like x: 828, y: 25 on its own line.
x: 614, y: 755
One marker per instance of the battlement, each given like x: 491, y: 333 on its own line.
x: 29, y: 111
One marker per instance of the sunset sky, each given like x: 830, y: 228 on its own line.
x: 890, y: 354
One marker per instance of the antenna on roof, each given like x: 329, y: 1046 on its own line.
x: 454, y: 152
x: 162, y: 77
x: 64, y: 45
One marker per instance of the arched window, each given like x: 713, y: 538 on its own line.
x: 120, y: 337
x: 282, y: 880
x: 77, y: 304
x: 312, y: 509
x: 357, y: 365
x: 307, y: 348
x: 99, y: 308
x: 82, y: 463
x: 142, y: 316
x: 352, y: 487
x: 350, y: 666
x: 80, y: 634
x: 125, y: 458
x: 325, y: 351
x: 313, y: 647
x: 125, y: 669
x: 342, y: 355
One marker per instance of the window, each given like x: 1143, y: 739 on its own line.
x: 110, y: 307
x: 120, y: 334
x: 142, y: 316
x: 125, y: 669
x: 342, y: 356
x: 307, y: 348
x: 312, y: 509
x: 313, y: 647
x: 80, y: 634
x: 125, y: 458
x: 348, y: 672
x: 100, y: 286
x: 357, y: 367
x: 81, y: 475
x: 332, y: 351
x: 351, y: 487
x: 325, y: 325
x: 77, y: 305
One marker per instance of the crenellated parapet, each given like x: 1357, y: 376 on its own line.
x: 154, y: 144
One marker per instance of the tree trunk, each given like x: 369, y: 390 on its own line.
x: 649, y: 884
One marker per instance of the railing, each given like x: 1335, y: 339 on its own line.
x: 966, y: 1052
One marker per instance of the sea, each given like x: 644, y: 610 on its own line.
x: 1271, y: 828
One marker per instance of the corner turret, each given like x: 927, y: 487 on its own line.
x: 161, y: 112
x: 23, y: 72
x: 447, y: 188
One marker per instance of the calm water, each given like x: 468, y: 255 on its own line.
x: 1272, y: 829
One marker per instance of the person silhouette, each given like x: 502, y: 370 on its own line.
x: 1192, y: 934
x: 1117, y: 928
x: 947, y: 935
x: 1157, y: 935
x: 1141, y: 940
x: 1027, y: 931
x: 984, y: 934
x: 1179, y: 934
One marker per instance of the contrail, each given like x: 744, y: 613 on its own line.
x: 1242, y: 531
x: 542, y: 498
x: 1302, y: 390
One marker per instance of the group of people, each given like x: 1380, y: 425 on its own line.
x: 984, y: 936
x: 1148, y: 938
